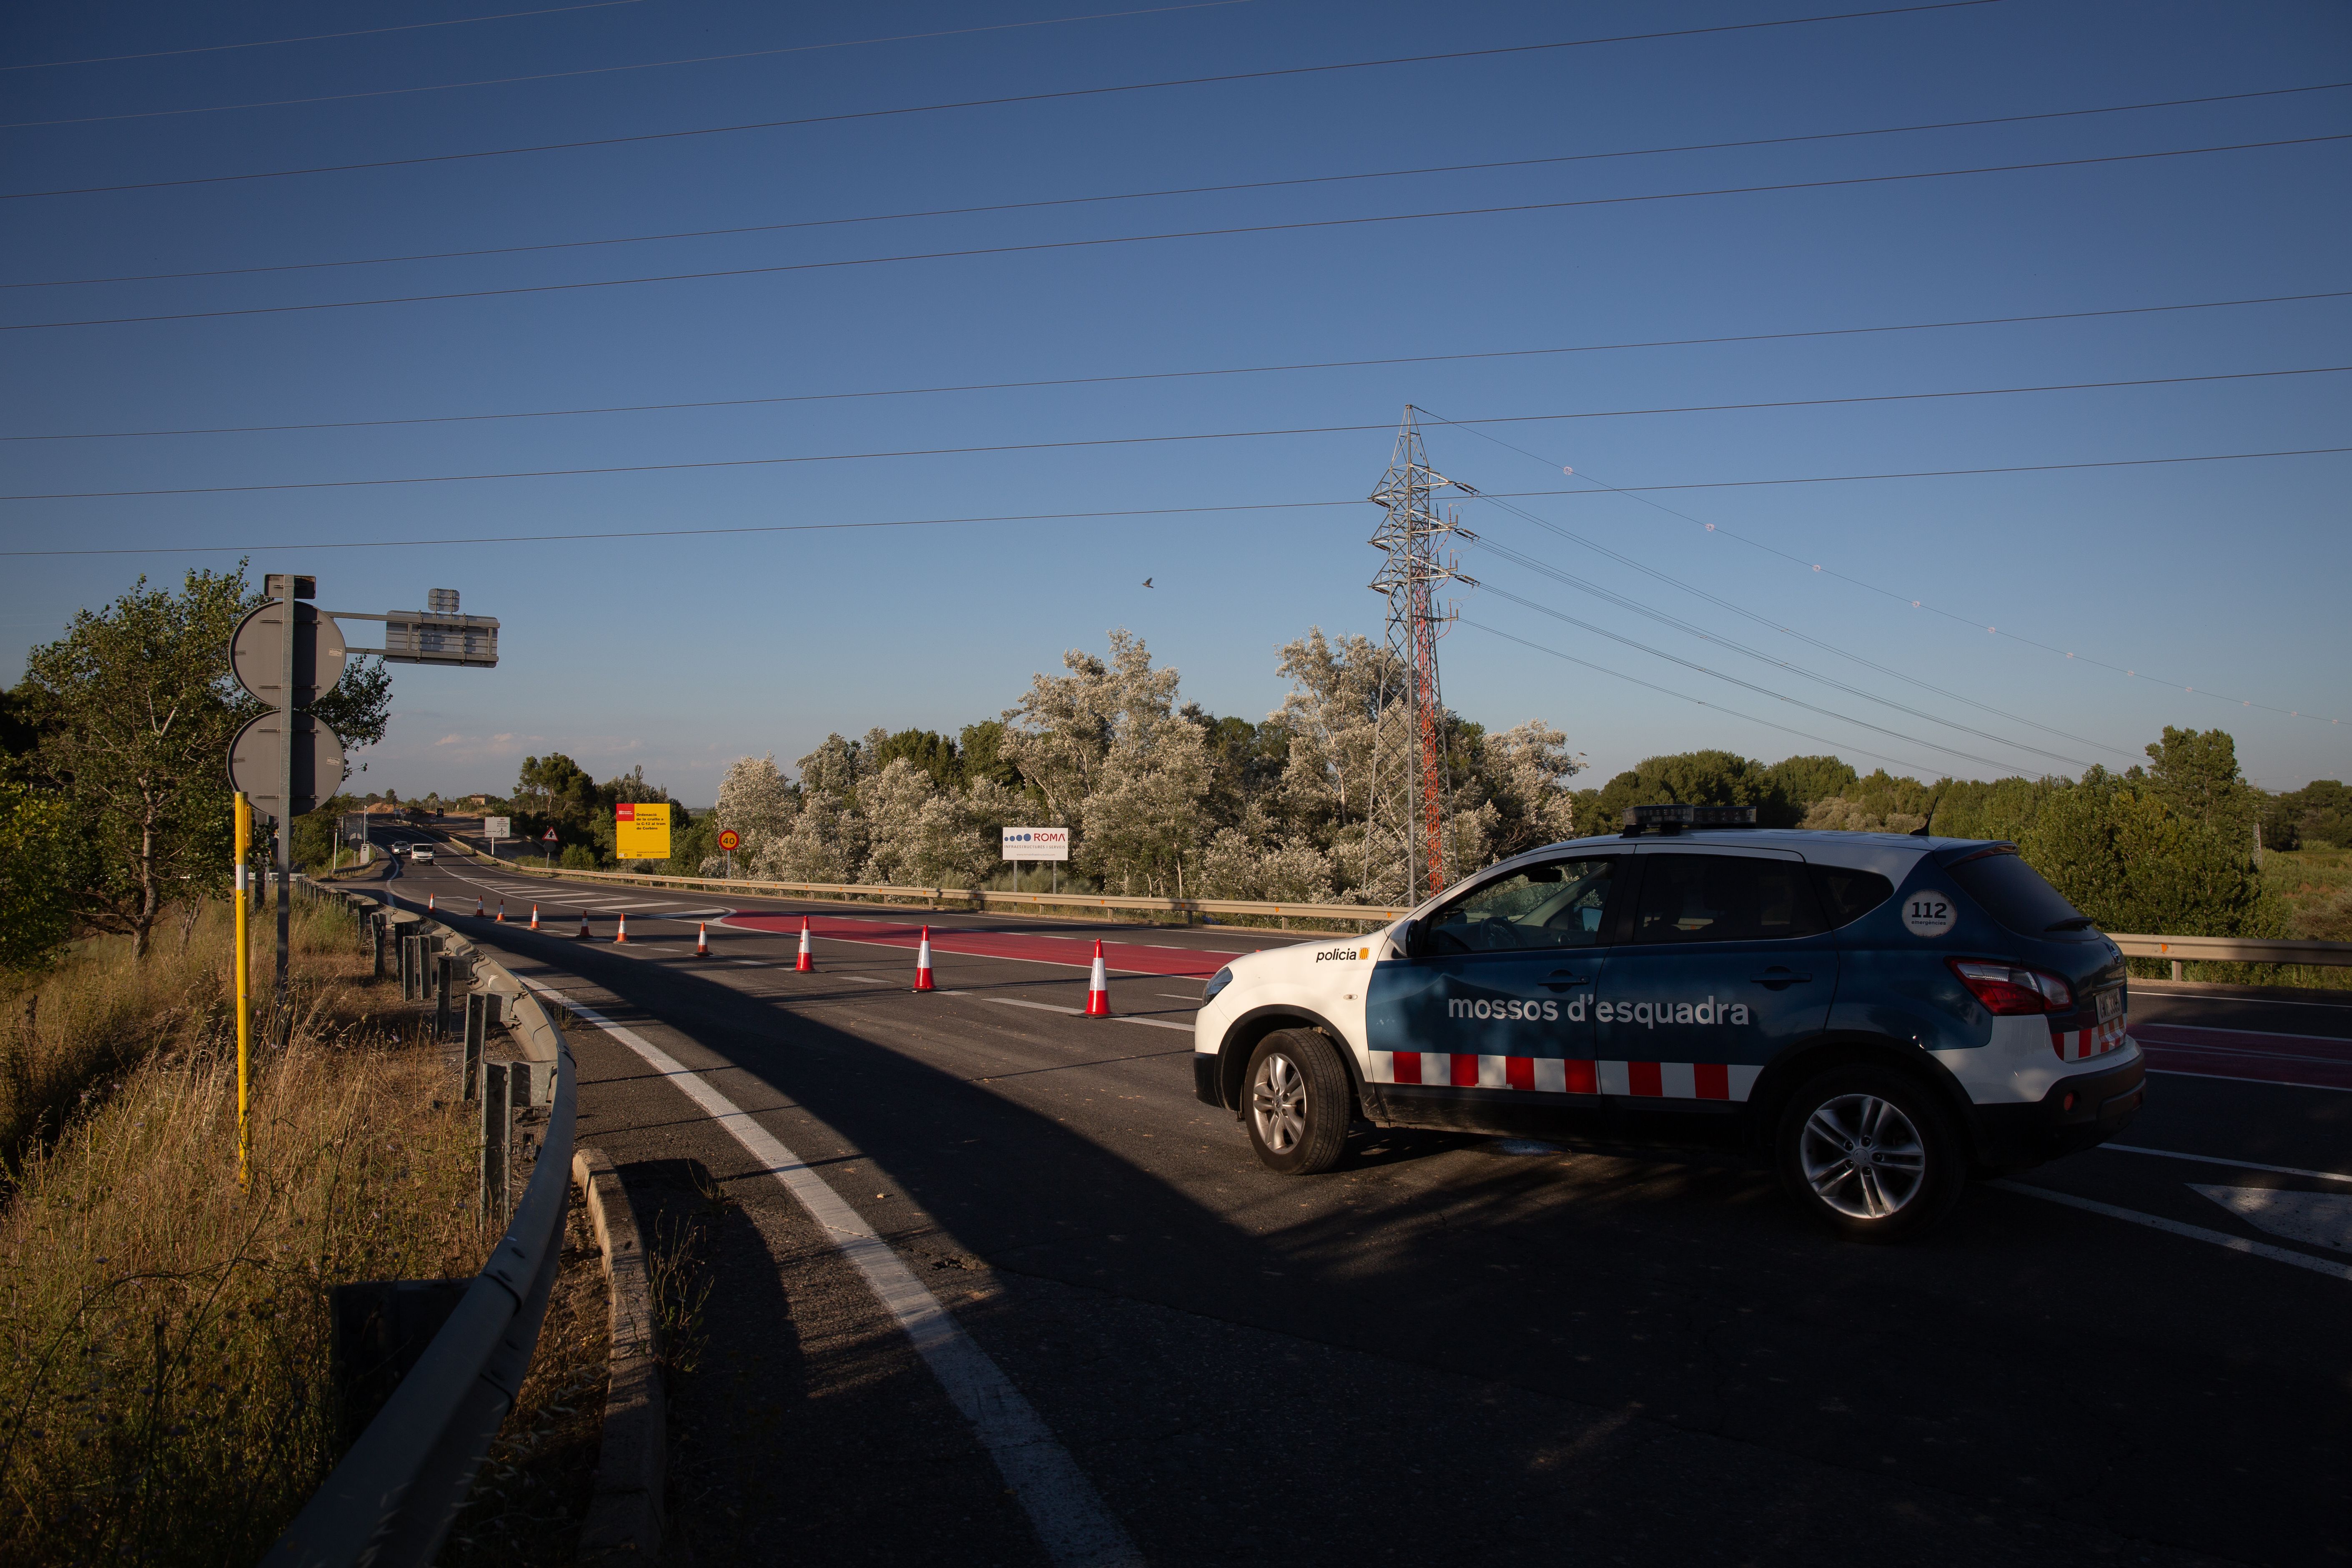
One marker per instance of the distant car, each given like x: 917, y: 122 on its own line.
x: 1886, y: 1014
x: 399, y: 847
x: 421, y: 853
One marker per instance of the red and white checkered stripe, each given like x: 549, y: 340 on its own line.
x: 2081, y: 1044
x: 1655, y: 1080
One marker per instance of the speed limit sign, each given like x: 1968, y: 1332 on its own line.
x: 730, y: 841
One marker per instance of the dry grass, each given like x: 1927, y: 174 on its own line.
x: 164, y: 1394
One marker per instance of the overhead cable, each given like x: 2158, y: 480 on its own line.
x: 1279, y: 431
x: 1703, y: 702
x: 1641, y: 492
x: 609, y: 70
x: 1736, y: 608
x: 317, y: 38
x: 1169, y: 83
x: 1152, y: 195
x: 1528, y: 563
x: 1694, y: 665
x: 1225, y: 232
x: 1187, y: 374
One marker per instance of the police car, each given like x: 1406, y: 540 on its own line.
x: 1884, y: 1014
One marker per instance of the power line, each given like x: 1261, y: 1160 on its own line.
x: 1169, y: 83
x: 1227, y: 232
x: 1529, y: 562
x: 316, y: 37
x: 1155, y: 194
x: 1188, y: 375
x: 1187, y: 437
x: 1741, y: 610
x: 309, y: 544
x: 608, y: 71
x: 1669, y: 692
x: 1637, y: 492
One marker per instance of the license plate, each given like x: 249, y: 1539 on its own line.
x: 2111, y: 1006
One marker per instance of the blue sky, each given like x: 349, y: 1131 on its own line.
x: 680, y: 653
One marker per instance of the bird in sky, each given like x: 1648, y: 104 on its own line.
x: 1147, y: 582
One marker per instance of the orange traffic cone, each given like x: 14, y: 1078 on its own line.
x: 477, y: 906
x: 428, y: 902
x: 1099, y: 987
x: 806, y: 962
x: 584, y: 934
x: 621, y: 931
x: 923, y: 962
x: 701, y: 940
x: 534, y: 917
x: 502, y: 911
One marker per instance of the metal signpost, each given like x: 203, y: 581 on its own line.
x: 729, y: 842
x: 1048, y: 844
x: 289, y: 654
x: 495, y: 829
x: 547, y: 838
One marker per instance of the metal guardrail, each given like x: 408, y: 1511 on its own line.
x: 392, y: 1500
x: 2183, y: 950
x: 983, y: 898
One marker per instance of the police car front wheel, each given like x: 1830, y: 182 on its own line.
x: 1867, y: 1153
x: 1295, y: 1100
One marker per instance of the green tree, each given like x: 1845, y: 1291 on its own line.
x: 932, y: 753
x: 139, y: 707
x: 1802, y: 781
x: 41, y: 855
x: 2195, y: 771
x: 1687, y: 778
x: 985, y: 754
x: 2133, y: 863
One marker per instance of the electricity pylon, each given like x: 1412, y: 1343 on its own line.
x: 1406, y: 841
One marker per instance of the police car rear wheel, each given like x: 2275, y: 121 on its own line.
x: 1296, y: 1102
x: 1868, y: 1154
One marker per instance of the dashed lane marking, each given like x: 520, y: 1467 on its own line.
x: 2233, y: 1077
x: 2233, y: 1164
x: 2175, y: 1227
x: 1075, y: 1529
x: 1076, y: 1012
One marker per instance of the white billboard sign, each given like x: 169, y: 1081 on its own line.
x: 498, y: 827
x: 1036, y: 843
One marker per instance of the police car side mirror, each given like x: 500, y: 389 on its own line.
x: 1408, y: 939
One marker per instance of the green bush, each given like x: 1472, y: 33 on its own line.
x: 2132, y: 863
x: 38, y: 851
x: 578, y: 858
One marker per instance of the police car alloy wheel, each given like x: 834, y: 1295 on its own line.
x: 1867, y: 1153
x: 1294, y: 1101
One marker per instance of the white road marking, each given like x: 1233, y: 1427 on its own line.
x: 2175, y: 1227
x: 2233, y: 1164
x: 2323, y: 1219
x: 2233, y: 1077
x: 1172, y: 996
x: 1075, y: 1529
x: 1077, y: 1012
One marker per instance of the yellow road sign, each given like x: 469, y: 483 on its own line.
x: 641, y: 832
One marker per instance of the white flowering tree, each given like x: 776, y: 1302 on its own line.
x: 758, y: 802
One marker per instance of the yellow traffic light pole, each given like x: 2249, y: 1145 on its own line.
x: 244, y: 983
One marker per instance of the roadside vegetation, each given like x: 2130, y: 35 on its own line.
x: 165, y: 1395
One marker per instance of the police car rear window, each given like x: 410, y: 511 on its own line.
x: 1724, y: 898
x: 2014, y: 893
x: 1847, y: 894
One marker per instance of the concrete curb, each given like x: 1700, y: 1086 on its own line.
x: 625, y: 1517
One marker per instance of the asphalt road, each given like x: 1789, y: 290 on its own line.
x: 1451, y: 1347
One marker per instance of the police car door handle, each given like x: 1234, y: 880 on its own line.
x: 1561, y: 980
x: 1780, y: 974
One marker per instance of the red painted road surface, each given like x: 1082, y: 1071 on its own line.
x: 2243, y: 1053
x: 1075, y: 953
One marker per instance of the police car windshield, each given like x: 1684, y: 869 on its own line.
x: 2014, y: 893
x: 1558, y: 904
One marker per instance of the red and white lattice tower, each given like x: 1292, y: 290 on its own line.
x: 1407, y: 845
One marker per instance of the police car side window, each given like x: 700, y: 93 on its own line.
x: 1724, y: 898
x: 1556, y: 905
x: 1847, y: 894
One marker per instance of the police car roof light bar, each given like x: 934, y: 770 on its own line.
x: 1668, y: 820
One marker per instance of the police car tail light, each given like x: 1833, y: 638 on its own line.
x: 2006, y: 989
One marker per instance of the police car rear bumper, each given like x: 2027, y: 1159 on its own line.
x: 2079, y: 1112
